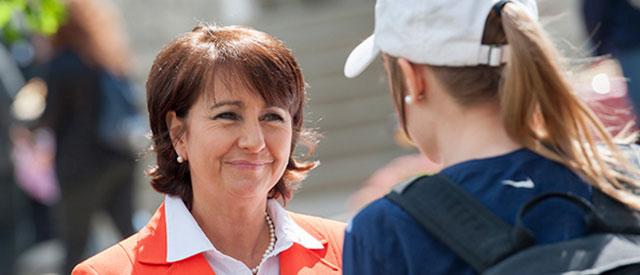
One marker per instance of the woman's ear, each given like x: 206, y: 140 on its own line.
x: 177, y: 129
x: 413, y: 79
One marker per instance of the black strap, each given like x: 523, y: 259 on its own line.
x: 604, y: 215
x: 461, y: 222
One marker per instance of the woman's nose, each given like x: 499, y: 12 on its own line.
x: 252, y: 138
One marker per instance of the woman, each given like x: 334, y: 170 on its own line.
x: 504, y: 124
x: 226, y: 112
x: 92, y: 177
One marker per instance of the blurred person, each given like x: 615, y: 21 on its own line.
x: 504, y: 124
x: 613, y: 28
x: 33, y: 154
x: 10, y: 81
x: 92, y: 176
x: 33, y: 149
x: 226, y: 113
x: 604, y: 89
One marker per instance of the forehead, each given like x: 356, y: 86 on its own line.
x: 220, y: 91
x: 230, y: 86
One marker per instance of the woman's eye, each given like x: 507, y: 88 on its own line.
x: 227, y: 115
x: 272, y: 117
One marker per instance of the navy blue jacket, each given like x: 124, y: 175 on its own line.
x: 384, y: 239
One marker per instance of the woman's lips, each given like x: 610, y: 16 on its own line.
x: 246, y: 164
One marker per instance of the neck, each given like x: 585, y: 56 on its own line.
x: 234, y: 226
x: 473, y: 133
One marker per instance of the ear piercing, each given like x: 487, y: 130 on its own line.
x: 409, y: 99
x: 180, y: 159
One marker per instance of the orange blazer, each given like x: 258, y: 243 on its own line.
x: 145, y: 252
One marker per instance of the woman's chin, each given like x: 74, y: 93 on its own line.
x: 249, y: 189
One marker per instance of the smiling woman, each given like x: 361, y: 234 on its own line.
x: 226, y: 112
x: 211, y: 65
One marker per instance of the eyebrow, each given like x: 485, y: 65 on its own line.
x: 227, y: 103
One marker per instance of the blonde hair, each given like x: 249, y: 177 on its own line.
x: 539, y: 109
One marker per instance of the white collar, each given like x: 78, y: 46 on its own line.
x: 185, y: 238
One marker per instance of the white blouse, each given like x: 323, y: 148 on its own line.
x: 185, y: 238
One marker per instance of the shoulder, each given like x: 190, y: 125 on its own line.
x: 65, y: 60
x: 117, y: 259
x: 379, y: 211
x: 68, y: 64
x: 383, y: 238
x: 382, y: 227
x: 332, y: 231
x: 142, y: 253
x: 381, y: 219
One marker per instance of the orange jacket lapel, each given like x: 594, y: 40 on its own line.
x: 152, y: 250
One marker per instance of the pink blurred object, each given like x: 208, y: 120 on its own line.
x: 606, y: 95
x: 396, y: 171
x: 33, y: 156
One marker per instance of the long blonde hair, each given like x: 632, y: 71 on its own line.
x: 539, y: 109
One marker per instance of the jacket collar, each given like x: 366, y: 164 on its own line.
x: 152, y: 249
x: 184, y: 237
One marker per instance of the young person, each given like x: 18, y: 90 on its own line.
x: 478, y: 88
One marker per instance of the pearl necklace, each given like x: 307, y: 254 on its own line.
x: 270, y: 247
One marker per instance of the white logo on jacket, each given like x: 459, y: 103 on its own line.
x: 528, y: 183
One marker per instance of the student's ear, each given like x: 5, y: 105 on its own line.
x: 177, y: 131
x: 413, y: 79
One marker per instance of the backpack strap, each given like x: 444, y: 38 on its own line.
x: 459, y: 221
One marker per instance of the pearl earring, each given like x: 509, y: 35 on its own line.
x: 408, y: 99
x: 180, y: 159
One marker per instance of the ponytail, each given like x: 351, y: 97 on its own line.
x: 541, y: 112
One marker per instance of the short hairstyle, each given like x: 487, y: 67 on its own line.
x: 239, y: 56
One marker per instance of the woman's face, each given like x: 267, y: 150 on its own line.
x: 234, y: 144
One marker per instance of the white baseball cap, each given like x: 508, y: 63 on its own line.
x: 435, y: 32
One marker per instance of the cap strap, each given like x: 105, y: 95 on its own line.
x: 493, y: 55
x: 499, y: 5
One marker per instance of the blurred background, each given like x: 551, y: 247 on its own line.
x: 361, y: 152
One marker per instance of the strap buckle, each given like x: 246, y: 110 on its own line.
x: 493, y: 55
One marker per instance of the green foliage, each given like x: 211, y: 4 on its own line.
x: 18, y: 17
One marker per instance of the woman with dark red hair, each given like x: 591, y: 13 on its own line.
x: 226, y: 112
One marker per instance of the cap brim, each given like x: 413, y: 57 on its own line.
x: 361, y: 57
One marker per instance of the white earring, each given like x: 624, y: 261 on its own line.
x: 180, y: 159
x: 408, y: 99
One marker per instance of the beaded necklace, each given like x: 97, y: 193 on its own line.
x: 270, y: 247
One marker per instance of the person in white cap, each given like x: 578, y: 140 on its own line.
x: 478, y: 87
